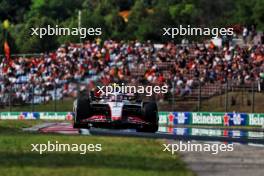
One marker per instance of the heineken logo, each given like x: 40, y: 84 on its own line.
x: 206, y: 119
x: 256, y: 119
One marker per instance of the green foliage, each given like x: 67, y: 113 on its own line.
x: 180, y: 10
x: 115, y: 25
x: 29, y: 43
x: 138, y: 13
x: 146, y: 18
x: 258, y: 14
x: 55, y: 9
x: 13, y: 9
x: 249, y: 12
x: 244, y: 11
x: 183, y: 13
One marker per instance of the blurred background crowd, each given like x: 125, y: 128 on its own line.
x: 75, y: 67
x: 131, y: 49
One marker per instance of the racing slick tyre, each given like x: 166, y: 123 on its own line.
x: 82, y: 110
x: 150, y: 113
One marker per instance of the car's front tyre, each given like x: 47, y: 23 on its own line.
x: 150, y: 114
x: 82, y: 110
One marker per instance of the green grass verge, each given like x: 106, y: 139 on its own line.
x: 119, y: 156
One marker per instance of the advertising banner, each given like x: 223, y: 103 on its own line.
x: 10, y: 115
x: 36, y: 115
x: 56, y: 115
x: 174, y: 118
x: 255, y: 119
x: 211, y: 118
x: 181, y: 118
x: 235, y: 119
x: 207, y: 118
x: 29, y: 115
x: 165, y: 118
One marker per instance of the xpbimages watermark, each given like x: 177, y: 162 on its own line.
x: 213, y: 148
x: 60, y: 147
x: 197, y: 31
x: 125, y: 89
x: 49, y: 30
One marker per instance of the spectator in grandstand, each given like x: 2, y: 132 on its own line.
x: 55, y: 75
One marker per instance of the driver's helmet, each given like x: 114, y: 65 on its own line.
x: 115, y: 97
x: 119, y: 97
x: 112, y: 97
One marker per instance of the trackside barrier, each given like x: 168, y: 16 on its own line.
x: 165, y: 118
x: 212, y: 118
x: 194, y: 131
x: 36, y: 115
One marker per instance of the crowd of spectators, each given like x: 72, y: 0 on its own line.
x: 74, y: 67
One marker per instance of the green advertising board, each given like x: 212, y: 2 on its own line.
x: 163, y: 118
x: 53, y: 115
x: 9, y: 115
x: 255, y: 119
x: 207, y: 118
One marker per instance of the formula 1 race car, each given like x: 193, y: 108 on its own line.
x: 115, y: 111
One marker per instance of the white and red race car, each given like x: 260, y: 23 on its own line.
x: 115, y: 111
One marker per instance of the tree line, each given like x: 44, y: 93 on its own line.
x: 145, y: 20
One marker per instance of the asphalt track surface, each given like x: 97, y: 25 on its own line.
x: 184, y: 134
x: 244, y: 160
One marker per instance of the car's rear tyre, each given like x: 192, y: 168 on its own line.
x: 82, y: 110
x: 150, y: 113
x: 79, y: 125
